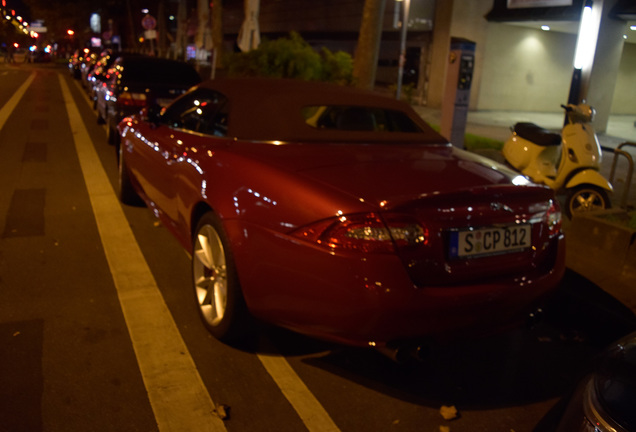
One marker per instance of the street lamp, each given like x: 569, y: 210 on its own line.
x: 405, y: 20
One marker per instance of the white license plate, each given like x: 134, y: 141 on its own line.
x: 489, y: 241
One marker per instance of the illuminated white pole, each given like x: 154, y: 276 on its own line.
x: 585, y: 49
x: 405, y: 21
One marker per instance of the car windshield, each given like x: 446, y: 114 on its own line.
x: 358, y: 118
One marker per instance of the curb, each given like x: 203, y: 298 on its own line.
x: 601, y: 247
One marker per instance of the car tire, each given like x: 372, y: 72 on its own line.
x: 100, y: 117
x: 127, y: 193
x: 215, y: 281
x: 112, y: 135
x: 586, y: 198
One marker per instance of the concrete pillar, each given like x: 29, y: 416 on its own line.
x: 597, y: 84
x: 439, y: 52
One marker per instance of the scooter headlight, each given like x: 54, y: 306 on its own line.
x: 585, y: 112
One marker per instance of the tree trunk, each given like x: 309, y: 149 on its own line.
x: 162, y: 30
x: 365, y: 62
x: 249, y: 35
x: 182, y: 28
x: 217, y: 31
x: 132, y: 39
x: 204, y: 33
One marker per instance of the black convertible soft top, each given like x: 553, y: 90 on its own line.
x: 272, y: 109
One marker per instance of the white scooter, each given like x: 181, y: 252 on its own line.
x: 569, y: 162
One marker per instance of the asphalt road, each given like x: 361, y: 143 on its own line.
x: 78, y: 354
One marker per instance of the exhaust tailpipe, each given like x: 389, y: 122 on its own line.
x: 404, y: 354
x: 535, y: 318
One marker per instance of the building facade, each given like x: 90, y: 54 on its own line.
x: 518, y: 66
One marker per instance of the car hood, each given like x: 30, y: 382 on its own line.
x: 389, y: 174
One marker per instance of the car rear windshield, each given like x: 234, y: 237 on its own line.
x: 358, y: 118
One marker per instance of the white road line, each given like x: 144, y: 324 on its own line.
x: 308, y: 408
x: 310, y: 411
x: 8, y: 108
x: 178, y: 397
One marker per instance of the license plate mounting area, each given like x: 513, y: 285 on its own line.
x: 485, y: 241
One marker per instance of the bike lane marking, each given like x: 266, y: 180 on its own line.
x: 8, y: 108
x: 309, y: 409
x: 306, y: 405
x: 179, y: 399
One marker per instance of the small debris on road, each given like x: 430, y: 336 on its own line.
x: 223, y: 411
x: 448, y: 412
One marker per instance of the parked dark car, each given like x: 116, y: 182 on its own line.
x: 78, y: 60
x: 340, y: 214
x: 74, y: 63
x: 97, y: 75
x: 87, y: 67
x: 605, y: 400
x: 135, y: 81
x: 41, y: 56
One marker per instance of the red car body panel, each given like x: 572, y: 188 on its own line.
x: 266, y: 191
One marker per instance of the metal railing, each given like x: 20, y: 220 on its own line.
x: 630, y: 169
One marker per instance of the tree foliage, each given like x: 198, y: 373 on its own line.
x: 292, y: 57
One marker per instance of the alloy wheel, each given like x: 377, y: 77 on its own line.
x: 210, y: 275
x: 587, y: 199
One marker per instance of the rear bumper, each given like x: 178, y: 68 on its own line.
x: 370, y: 300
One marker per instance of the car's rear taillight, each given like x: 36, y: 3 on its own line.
x: 365, y: 233
x: 553, y: 219
x: 132, y: 99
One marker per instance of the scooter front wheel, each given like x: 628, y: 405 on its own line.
x: 586, y: 198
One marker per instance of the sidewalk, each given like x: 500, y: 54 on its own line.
x: 496, y: 124
x: 602, y: 252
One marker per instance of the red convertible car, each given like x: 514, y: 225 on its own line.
x: 338, y: 213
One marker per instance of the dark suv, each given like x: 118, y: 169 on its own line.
x: 134, y: 82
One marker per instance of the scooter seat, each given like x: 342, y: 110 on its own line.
x: 537, y: 134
